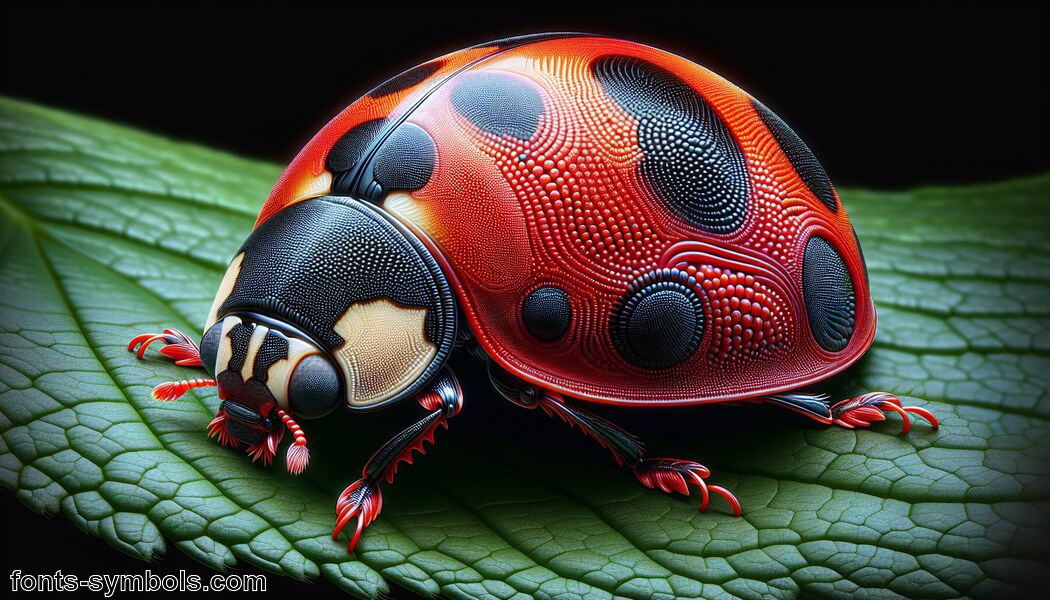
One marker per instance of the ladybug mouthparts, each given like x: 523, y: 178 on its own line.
x: 248, y: 414
x: 265, y: 371
x: 247, y: 425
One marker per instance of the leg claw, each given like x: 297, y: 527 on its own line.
x: 177, y: 346
x: 673, y: 475
x: 864, y: 410
x: 363, y: 500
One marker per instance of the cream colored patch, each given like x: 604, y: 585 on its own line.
x: 311, y: 187
x: 225, y: 289
x: 405, y: 208
x: 279, y: 375
x: 225, y: 345
x: 385, y: 349
x: 254, y: 343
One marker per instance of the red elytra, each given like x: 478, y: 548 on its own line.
x: 600, y: 220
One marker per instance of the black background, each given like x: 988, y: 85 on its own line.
x: 887, y: 98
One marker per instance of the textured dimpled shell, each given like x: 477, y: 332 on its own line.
x: 670, y: 210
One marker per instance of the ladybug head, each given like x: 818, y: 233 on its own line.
x: 266, y: 371
x: 328, y: 302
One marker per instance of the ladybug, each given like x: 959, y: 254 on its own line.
x: 599, y: 220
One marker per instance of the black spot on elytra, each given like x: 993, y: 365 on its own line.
x: 352, y: 145
x: 801, y: 157
x: 406, y: 80
x: 406, y: 159
x: 499, y: 103
x: 689, y: 156
x: 659, y: 324
x: 831, y: 304
x: 546, y: 313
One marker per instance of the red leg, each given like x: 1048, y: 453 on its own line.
x: 673, y: 475
x: 665, y: 474
x: 363, y: 499
x: 853, y: 412
x: 864, y: 410
x: 177, y: 346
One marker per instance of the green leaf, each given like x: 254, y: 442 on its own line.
x: 107, y: 233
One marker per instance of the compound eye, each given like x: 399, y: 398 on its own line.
x: 315, y: 389
x: 210, y: 347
